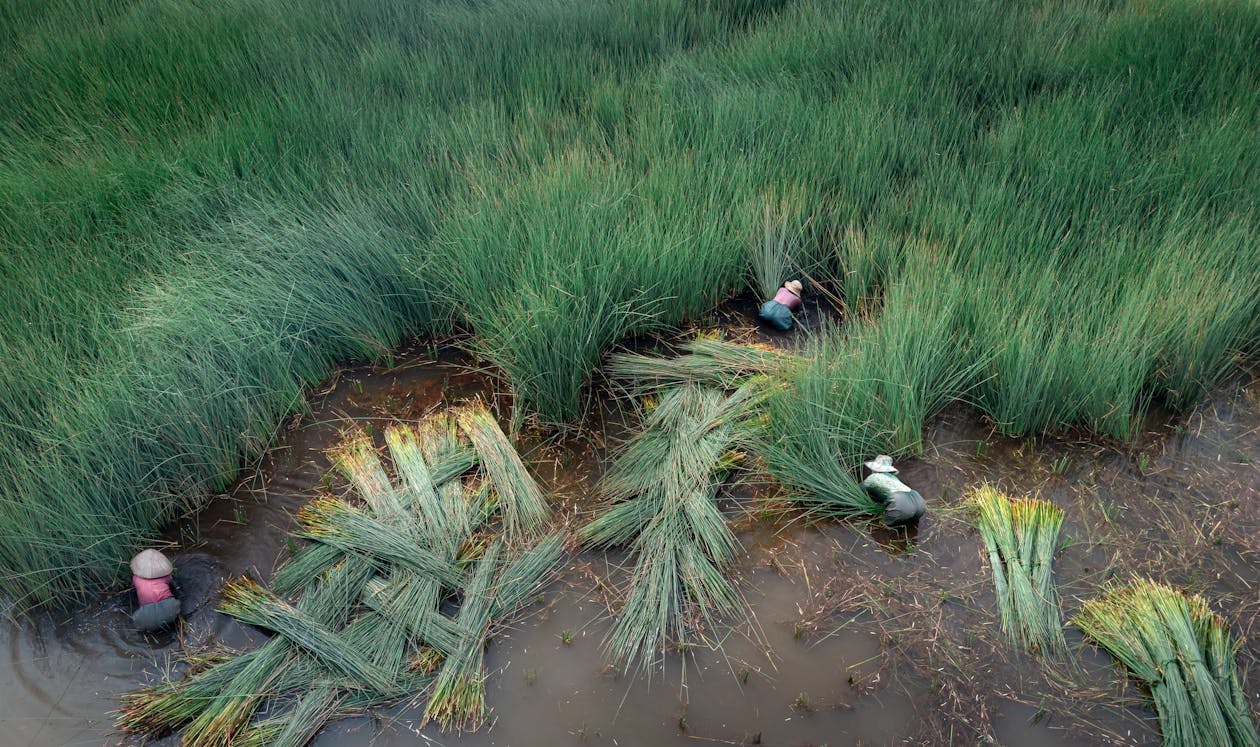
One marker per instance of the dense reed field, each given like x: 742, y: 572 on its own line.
x: 1046, y: 208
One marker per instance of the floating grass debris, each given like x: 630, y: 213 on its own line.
x: 1020, y: 538
x: 370, y: 626
x: 662, y: 489
x: 1183, y: 652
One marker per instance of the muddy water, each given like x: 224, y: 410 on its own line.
x: 856, y: 635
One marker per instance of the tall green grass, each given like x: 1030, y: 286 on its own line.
x: 202, y: 209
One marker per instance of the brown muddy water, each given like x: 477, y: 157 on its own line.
x: 857, y: 635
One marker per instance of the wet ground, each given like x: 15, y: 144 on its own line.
x: 856, y: 635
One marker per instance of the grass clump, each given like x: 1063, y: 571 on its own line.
x: 1020, y: 538
x: 1183, y: 652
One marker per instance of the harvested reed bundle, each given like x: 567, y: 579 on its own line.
x: 1021, y: 538
x: 447, y: 454
x: 306, y: 564
x: 1182, y: 651
x: 220, y: 702
x: 497, y: 589
x: 707, y: 361
x: 309, y: 715
x: 227, y: 715
x: 413, y: 602
x: 418, y: 488
x: 357, y: 459
x: 442, y: 516
x: 519, y: 582
x: 248, y: 602
x: 161, y: 709
x: 520, y: 501
x: 673, y: 578
x: 459, y: 694
x: 666, y: 481
x: 333, y: 521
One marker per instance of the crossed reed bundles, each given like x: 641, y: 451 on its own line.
x: 1021, y: 537
x: 1183, y: 653
x: 367, y: 627
x: 661, y: 492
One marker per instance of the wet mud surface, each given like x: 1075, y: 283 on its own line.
x: 857, y: 635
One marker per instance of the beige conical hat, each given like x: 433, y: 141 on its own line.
x: 881, y: 463
x: 151, y: 564
x: 794, y: 286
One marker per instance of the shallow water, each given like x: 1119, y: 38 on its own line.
x: 857, y: 635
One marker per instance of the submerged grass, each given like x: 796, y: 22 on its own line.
x: 1021, y: 538
x: 553, y: 177
x: 1183, y: 652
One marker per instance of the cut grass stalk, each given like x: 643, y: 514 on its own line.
x: 1182, y: 651
x: 1020, y: 539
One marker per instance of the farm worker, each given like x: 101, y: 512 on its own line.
x: 151, y: 574
x: 778, y: 311
x: 902, y: 505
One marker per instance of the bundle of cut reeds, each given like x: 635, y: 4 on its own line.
x: 1183, y: 652
x: 666, y: 480
x: 1020, y: 539
x: 368, y: 625
x: 499, y: 586
x: 520, y: 500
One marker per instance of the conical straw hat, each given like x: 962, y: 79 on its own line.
x: 881, y: 463
x: 794, y: 286
x: 151, y: 564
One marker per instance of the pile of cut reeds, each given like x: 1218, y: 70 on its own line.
x: 368, y: 627
x: 1183, y: 652
x: 662, y: 491
x: 1020, y: 538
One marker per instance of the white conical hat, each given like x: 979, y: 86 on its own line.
x: 881, y: 463
x: 794, y: 286
x: 151, y: 564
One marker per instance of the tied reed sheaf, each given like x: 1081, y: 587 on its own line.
x: 369, y: 627
x: 1021, y: 538
x: 1183, y: 653
x: 552, y: 178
